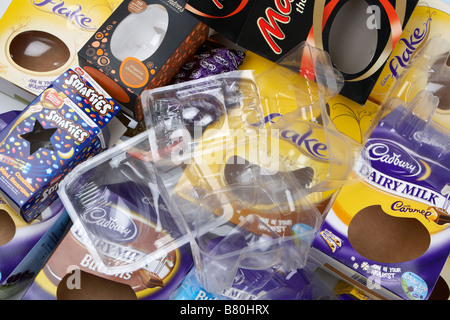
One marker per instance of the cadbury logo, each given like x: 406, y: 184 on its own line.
x: 71, y: 13
x: 119, y: 228
x: 269, y: 26
x: 96, y: 100
x: 380, y: 152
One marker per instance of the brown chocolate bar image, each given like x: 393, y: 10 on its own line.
x: 442, y: 216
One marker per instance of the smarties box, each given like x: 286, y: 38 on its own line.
x: 62, y: 127
x: 358, y: 35
x: 142, y: 45
x: 25, y: 247
x: 40, y: 40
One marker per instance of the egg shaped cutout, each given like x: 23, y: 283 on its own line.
x: 139, y: 35
x: 7, y: 228
x: 351, y: 43
x: 384, y: 238
x: 38, y: 51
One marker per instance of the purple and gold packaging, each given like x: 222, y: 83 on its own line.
x: 72, y: 263
x: 25, y: 247
x: 62, y: 127
x: 391, y: 231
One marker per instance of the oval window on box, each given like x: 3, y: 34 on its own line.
x: 139, y: 35
x: 38, y: 51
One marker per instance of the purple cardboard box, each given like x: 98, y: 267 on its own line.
x: 25, y: 247
x: 389, y: 234
x: 72, y: 273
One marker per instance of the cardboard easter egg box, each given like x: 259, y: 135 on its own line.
x: 62, y: 127
x: 41, y: 40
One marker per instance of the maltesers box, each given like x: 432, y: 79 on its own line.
x: 71, y: 273
x: 358, y: 35
x: 41, y: 38
x: 66, y: 124
x: 142, y: 45
x: 25, y: 247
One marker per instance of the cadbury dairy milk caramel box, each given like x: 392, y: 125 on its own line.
x: 66, y: 124
x: 391, y: 231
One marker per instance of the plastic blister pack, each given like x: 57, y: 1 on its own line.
x: 305, y: 80
x: 246, y: 193
x: 178, y: 115
x: 116, y: 201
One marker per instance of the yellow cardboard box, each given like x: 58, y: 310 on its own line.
x: 41, y: 38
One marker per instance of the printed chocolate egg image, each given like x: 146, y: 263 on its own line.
x: 352, y: 45
x: 38, y: 51
x: 7, y: 228
x: 140, y: 34
x: 93, y: 288
x: 383, y: 238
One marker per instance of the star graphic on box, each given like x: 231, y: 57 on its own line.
x: 39, y: 138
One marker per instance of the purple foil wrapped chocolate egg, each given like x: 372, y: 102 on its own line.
x: 212, y: 62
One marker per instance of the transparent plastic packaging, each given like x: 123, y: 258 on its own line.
x: 306, y: 79
x: 116, y: 201
x: 417, y: 108
x: 247, y: 194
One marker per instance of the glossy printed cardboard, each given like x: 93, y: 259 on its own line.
x: 63, y: 126
x: 41, y: 39
x: 358, y: 35
x: 140, y: 46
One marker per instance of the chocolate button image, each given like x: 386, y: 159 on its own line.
x: 383, y: 238
x: 7, y: 228
x: 441, y: 290
x: 38, y: 51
